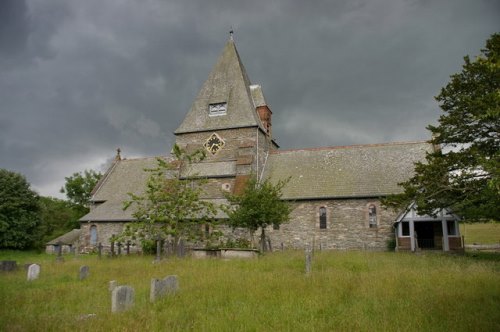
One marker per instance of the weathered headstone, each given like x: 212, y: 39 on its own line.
x: 8, y: 265
x: 33, y: 272
x: 119, y: 245
x: 99, y: 249
x: 122, y: 298
x: 112, y: 285
x: 128, y: 248
x: 84, y: 272
x: 160, y: 288
x: 308, y: 260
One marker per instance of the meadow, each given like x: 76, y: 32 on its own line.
x: 481, y: 233
x: 346, y: 291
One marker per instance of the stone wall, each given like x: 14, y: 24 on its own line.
x: 105, y: 230
x: 347, y: 226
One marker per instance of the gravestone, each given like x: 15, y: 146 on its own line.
x: 122, y: 298
x: 112, y: 285
x: 308, y: 260
x: 8, y: 266
x: 33, y: 272
x: 161, y: 288
x: 84, y: 272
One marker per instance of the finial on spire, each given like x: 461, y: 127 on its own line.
x: 118, y: 156
x: 231, y: 32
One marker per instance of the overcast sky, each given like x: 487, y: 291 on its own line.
x: 80, y: 78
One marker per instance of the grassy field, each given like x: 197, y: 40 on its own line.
x: 346, y: 291
x: 481, y: 233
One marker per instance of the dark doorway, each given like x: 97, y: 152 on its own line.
x: 425, y: 235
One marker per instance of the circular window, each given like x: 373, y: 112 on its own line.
x: 226, y: 186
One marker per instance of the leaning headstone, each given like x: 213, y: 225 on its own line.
x: 112, y: 285
x: 122, y: 298
x: 160, y: 288
x: 33, y: 272
x: 84, y: 272
x: 8, y: 266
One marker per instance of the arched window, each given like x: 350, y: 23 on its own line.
x: 93, y: 235
x: 372, y: 216
x: 322, y: 218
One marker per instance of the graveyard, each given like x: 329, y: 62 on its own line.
x: 274, y: 292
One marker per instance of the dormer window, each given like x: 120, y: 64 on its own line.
x: 217, y: 109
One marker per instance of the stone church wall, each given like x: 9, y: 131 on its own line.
x: 105, y: 230
x: 347, y: 226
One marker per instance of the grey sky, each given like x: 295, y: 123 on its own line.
x: 80, y: 78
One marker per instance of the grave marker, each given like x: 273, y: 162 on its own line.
x: 122, y: 298
x: 84, y: 272
x: 8, y: 265
x: 161, y: 288
x: 33, y: 272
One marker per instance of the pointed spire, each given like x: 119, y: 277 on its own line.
x: 227, y: 86
x: 231, y: 32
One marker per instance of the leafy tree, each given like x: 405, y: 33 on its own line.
x: 464, y: 174
x: 19, y: 208
x: 78, y: 187
x: 259, y: 206
x: 58, y: 217
x: 171, y: 204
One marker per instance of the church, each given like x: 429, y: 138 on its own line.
x: 335, y: 191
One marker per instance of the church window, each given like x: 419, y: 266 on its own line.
x: 372, y: 216
x: 93, y: 235
x: 217, y: 109
x: 322, y: 218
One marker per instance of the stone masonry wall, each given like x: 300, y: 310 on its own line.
x: 347, y: 226
x: 104, y: 232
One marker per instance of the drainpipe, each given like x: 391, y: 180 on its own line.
x: 257, y: 154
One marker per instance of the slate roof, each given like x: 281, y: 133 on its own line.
x: 227, y: 83
x: 69, y: 238
x: 130, y: 176
x: 125, y: 176
x: 345, y: 172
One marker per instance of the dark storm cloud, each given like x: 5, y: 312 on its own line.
x: 80, y: 78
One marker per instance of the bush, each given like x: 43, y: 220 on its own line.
x: 148, y: 247
x: 391, y: 244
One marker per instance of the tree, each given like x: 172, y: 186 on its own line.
x: 19, y: 208
x: 259, y: 206
x: 78, y: 187
x: 58, y: 217
x: 464, y: 173
x: 171, y: 204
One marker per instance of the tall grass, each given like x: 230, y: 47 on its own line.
x: 345, y: 291
x: 481, y: 233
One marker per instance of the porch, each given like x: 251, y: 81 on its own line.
x: 416, y: 232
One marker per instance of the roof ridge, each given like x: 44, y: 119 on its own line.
x: 372, y: 145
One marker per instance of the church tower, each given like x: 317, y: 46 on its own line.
x: 231, y: 121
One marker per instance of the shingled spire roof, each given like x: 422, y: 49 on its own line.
x: 228, y: 87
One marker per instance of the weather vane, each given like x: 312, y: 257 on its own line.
x: 231, y: 32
